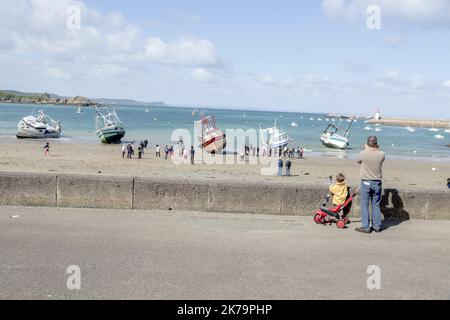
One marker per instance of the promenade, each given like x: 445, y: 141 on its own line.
x: 127, y: 254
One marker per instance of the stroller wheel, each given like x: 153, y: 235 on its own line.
x: 319, y: 219
x: 341, y: 224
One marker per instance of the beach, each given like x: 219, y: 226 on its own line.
x: 93, y: 158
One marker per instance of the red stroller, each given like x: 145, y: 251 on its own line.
x: 325, y: 215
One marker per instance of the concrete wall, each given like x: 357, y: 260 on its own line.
x: 26, y: 189
x: 111, y: 192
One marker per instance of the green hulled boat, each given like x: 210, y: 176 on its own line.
x: 109, y: 128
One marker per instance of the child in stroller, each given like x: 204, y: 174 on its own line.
x: 342, y: 200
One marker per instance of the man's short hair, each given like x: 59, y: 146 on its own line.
x: 372, y: 141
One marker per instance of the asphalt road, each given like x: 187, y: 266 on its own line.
x: 125, y: 254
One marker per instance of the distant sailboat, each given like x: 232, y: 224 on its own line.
x: 79, y: 109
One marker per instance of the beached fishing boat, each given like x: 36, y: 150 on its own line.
x: 332, y: 139
x: 274, y: 137
x: 39, y: 126
x: 108, y: 127
x: 211, y: 138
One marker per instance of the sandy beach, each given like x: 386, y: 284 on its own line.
x: 95, y: 158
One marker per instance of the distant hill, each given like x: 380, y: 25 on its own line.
x: 129, y: 102
x: 13, y: 96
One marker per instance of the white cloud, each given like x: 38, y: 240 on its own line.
x: 186, y: 51
x: 421, y: 12
x: 201, y: 74
x: 106, y: 45
x: 447, y: 83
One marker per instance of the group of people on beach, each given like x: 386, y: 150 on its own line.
x: 129, y: 148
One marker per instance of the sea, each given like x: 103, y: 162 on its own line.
x: 158, y: 123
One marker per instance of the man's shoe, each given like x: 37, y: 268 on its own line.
x: 377, y: 230
x: 363, y: 230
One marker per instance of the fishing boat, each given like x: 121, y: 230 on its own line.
x: 439, y: 136
x: 332, y: 139
x: 211, y: 138
x: 274, y: 137
x: 39, y: 126
x: 108, y: 126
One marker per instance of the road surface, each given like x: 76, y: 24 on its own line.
x: 123, y: 254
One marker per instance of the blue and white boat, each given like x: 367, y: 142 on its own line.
x: 332, y: 139
x: 274, y: 137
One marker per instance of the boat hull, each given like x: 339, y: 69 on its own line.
x: 333, y: 143
x: 215, y: 144
x: 37, y: 135
x: 110, y: 135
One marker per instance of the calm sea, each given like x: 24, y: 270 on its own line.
x: 157, y: 124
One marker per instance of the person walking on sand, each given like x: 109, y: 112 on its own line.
x: 129, y: 151
x: 371, y: 161
x: 46, y: 149
x: 288, y: 167
x: 192, y: 154
x: 280, y: 167
x: 158, y: 151
x: 124, y: 149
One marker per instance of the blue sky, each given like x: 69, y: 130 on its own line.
x: 269, y: 55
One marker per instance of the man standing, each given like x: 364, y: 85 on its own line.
x: 192, y: 154
x: 371, y: 161
x: 288, y: 167
x: 280, y: 167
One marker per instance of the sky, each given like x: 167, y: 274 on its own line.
x: 348, y: 56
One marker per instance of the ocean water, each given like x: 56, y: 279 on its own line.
x: 156, y: 124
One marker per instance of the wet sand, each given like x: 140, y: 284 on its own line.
x: 95, y: 158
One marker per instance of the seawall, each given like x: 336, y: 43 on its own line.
x: 115, y: 192
x: 409, y: 122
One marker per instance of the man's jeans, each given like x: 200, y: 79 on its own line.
x: 371, y: 195
x: 280, y: 171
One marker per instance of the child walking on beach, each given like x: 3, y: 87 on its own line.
x: 46, y: 149
x: 339, y: 190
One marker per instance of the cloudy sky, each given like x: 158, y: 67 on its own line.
x: 271, y: 55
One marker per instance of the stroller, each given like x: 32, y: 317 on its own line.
x: 326, y: 215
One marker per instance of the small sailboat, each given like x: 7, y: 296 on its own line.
x: 332, y: 139
x: 79, y: 109
x: 108, y: 126
x: 211, y: 138
x: 433, y: 129
x: 274, y: 137
x: 39, y: 126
